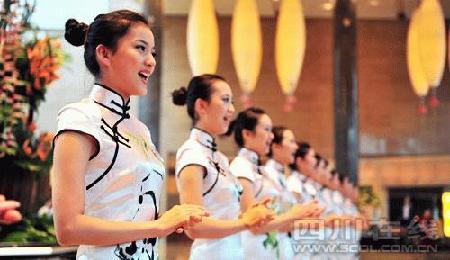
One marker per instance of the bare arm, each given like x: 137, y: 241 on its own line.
x: 190, y: 189
x: 248, y: 194
x: 72, y: 152
x: 248, y: 199
x: 279, y: 223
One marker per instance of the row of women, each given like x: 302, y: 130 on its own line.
x: 107, y: 174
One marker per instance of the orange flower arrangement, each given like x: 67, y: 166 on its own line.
x: 41, y: 149
x: 43, y: 65
x: 27, y: 68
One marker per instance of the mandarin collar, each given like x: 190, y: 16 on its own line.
x: 302, y: 177
x: 204, y: 138
x: 111, y: 100
x: 250, y: 155
x: 276, y: 165
x: 318, y: 185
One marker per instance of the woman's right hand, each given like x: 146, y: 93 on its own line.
x: 305, y: 210
x: 258, y: 215
x: 182, y: 217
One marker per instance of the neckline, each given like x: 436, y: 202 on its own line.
x: 250, y: 155
x: 276, y: 165
x: 111, y: 100
x: 204, y: 138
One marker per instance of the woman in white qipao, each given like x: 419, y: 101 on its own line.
x: 253, y: 134
x: 202, y: 172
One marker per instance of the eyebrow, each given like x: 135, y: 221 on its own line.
x: 142, y: 41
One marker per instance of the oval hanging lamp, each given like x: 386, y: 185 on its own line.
x: 431, y: 35
x: 202, y: 37
x: 246, y: 46
x: 290, y: 43
x: 417, y: 77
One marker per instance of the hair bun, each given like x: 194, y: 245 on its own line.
x: 99, y: 16
x: 179, y: 96
x: 75, y: 32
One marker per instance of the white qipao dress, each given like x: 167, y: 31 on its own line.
x: 297, y: 183
x: 123, y: 179
x: 312, y: 191
x: 275, y: 171
x: 245, y: 165
x: 332, y: 234
x: 220, y: 191
x: 354, y: 233
x: 330, y: 239
x: 342, y: 233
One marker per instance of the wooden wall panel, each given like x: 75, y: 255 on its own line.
x: 389, y: 123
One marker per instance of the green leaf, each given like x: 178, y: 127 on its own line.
x: 36, y: 229
x: 17, y: 236
x: 271, y: 241
x: 33, y: 167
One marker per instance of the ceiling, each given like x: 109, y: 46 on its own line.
x: 365, y: 9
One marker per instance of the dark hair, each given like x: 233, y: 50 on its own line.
x: 246, y: 120
x: 342, y: 177
x: 321, y: 158
x: 333, y: 172
x: 106, y: 29
x: 277, y: 137
x: 318, y: 159
x: 325, y: 160
x: 198, y: 87
x: 303, y: 149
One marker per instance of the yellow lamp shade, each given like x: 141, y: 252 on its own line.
x: 202, y: 37
x: 246, y: 44
x: 290, y: 43
x: 446, y: 212
x: 431, y: 40
x: 416, y: 72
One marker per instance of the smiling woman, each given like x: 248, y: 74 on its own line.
x: 107, y: 173
x: 253, y: 134
x: 202, y: 172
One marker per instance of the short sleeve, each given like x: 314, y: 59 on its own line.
x: 149, y: 145
x: 309, y: 188
x: 189, y: 155
x: 294, y: 184
x: 242, y: 169
x: 81, y: 118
